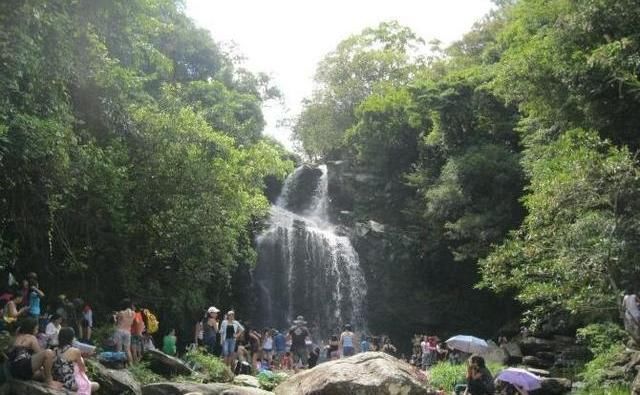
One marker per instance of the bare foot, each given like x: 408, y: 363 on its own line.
x: 55, y: 385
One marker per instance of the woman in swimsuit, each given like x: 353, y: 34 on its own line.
x: 27, y: 360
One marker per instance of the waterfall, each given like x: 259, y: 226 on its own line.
x: 304, y: 267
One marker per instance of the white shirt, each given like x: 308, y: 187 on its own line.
x: 52, y: 334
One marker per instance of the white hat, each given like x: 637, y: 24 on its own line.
x: 213, y: 309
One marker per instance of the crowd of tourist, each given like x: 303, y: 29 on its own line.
x: 50, y: 342
x: 250, y: 349
x: 45, y: 345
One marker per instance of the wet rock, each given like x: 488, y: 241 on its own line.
x: 513, y: 349
x: 166, y: 365
x: 531, y: 345
x: 546, y: 355
x: 539, y: 372
x: 302, y: 188
x: 536, y: 362
x: 19, y: 387
x: 370, y: 373
x: 555, y: 386
x: 113, y: 381
x: 635, y: 386
x: 201, y: 389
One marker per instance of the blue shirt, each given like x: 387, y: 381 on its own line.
x: 364, y: 346
x: 34, y: 303
x: 280, y: 342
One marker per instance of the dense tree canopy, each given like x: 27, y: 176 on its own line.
x: 512, y: 151
x: 130, y: 152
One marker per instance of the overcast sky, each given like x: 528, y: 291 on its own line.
x: 287, y: 38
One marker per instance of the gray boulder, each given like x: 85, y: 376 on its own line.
x: 555, y: 386
x: 166, y: 365
x: 246, y: 380
x: 113, y: 381
x: 201, y: 389
x: 371, y: 373
x: 532, y: 345
x: 20, y: 387
x: 536, y: 362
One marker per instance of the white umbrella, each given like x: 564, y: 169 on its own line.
x: 468, y: 344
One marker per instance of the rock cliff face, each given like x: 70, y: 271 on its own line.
x: 413, y: 291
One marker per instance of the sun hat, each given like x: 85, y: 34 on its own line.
x: 213, y: 309
x: 299, y: 320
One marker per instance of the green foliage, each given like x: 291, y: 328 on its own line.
x: 210, y: 365
x: 130, y: 152
x: 596, y: 375
x: 269, y: 381
x: 601, y: 337
x: 577, y: 246
x: 384, y: 55
x: 143, y: 374
x: 446, y: 375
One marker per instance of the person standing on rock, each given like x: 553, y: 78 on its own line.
x: 124, y: 320
x: 230, y: 331
x: 298, y: 334
x: 631, y: 313
x: 210, y: 329
x: 346, y: 342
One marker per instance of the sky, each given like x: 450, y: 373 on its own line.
x: 287, y: 38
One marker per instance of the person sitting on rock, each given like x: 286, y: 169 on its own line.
x: 479, y: 378
x: 26, y: 359
x: 52, y: 330
x: 12, y: 310
x: 69, y: 367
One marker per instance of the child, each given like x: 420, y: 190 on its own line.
x: 169, y: 343
x: 285, y: 362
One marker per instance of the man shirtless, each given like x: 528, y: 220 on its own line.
x: 122, y: 337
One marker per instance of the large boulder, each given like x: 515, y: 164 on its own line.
x: 635, y: 386
x: 166, y: 365
x: 555, y: 386
x: 496, y: 354
x: 371, y: 373
x: 536, y: 362
x: 531, y: 345
x: 19, y: 387
x: 201, y: 389
x: 246, y: 380
x: 113, y: 381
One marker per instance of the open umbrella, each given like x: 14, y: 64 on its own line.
x: 468, y: 344
x: 521, y: 378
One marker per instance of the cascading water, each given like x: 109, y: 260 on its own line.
x: 304, y: 267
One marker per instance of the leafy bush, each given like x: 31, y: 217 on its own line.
x: 447, y: 375
x: 210, y: 365
x: 143, y: 374
x: 596, y: 374
x: 611, y: 390
x: 601, y: 337
x: 269, y: 381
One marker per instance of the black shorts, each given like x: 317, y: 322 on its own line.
x: 21, y: 369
